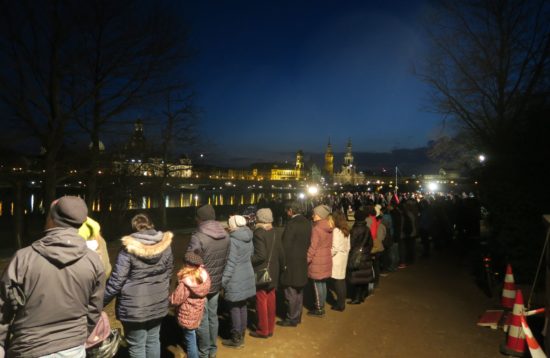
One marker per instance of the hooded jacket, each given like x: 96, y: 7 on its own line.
x: 141, y: 277
x: 238, y: 276
x: 212, y: 241
x: 62, y: 283
x: 190, y: 297
x: 319, y: 254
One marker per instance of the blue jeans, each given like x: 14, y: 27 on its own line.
x: 320, y: 293
x: 207, y: 333
x: 190, y: 339
x: 143, y: 338
x: 75, y: 352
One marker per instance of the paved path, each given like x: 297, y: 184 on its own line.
x: 426, y: 310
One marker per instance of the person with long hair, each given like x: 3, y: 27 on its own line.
x: 360, y: 270
x: 190, y: 298
x: 144, y: 264
x: 340, y: 251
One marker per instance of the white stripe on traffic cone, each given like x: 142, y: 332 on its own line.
x: 534, y: 347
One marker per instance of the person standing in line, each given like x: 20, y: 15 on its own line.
x: 238, y: 278
x: 296, y: 240
x: 378, y: 233
x: 190, y: 298
x: 340, y: 251
x: 144, y: 265
x: 51, y: 292
x: 360, y: 270
x: 91, y: 232
x: 319, y: 258
x: 268, y: 253
x: 212, y: 242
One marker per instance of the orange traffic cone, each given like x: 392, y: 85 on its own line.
x: 509, y: 290
x: 534, y: 347
x: 515, y: 343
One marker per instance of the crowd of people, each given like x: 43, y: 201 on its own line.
x: 52, y: 293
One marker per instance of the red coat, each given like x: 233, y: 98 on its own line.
x: 190, y: 297
x: 319, y: 255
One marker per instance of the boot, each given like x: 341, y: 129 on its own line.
x: 236, y: 340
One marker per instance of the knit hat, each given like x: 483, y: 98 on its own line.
x: 360, y: 215
x: 236, y: 221
x: 90, y: 229
x: 322, y: 211
x: 193, y: 258
x: 206, y: 212
x: 264, y: 215
x: 69, y: 211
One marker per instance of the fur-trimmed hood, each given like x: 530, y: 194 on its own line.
x: 144, y: 251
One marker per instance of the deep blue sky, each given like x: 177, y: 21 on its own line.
x: 278, y: 76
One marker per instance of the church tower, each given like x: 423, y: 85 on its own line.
x: 329, y: 160
x: 348, y: 158
x: 299, y: 164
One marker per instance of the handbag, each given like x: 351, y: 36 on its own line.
x: 262, y: 276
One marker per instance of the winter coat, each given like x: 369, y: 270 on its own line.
x: 266, y: 241
x: 212, y: 241
x: 360, y: 270
x: 190, y: 298
x: 378, y: 241
x: 340, y: 251
x: 238, y: 276
x: 296, y: 240
x: 63, y: 283
x: 141, y: 277
x: 319, y: 255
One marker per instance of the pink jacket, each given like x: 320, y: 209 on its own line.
x: 190, y: 297
x: 319, y: 254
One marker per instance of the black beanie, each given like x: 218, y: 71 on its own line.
x: 69, y: 211
x: 360, y: 215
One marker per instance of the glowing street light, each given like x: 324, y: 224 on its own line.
x: 433, y: 186
x: 481, y: 158
x: 312, y: 190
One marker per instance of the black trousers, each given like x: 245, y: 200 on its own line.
x: 339, y: 287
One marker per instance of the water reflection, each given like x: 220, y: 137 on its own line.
x: 34, y: 202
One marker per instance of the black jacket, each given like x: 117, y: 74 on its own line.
x: 62, y: 282
x: 296, y: 240
x: 361, y: 246
x: 264, y: 242
x: 212, y: 241
x: 141, y: 278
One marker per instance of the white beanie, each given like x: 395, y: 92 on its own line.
x: 236, y: 221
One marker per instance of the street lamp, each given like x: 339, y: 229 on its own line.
x: 481, y: 158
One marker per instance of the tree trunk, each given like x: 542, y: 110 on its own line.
x: 50, y: 180
x: 18, y: 213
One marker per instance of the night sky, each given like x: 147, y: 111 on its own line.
x: 273, y: 77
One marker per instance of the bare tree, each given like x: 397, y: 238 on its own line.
x: 39, y: 56
x: 178, y: 132
x: 490, y: 60
x: 134, y: 52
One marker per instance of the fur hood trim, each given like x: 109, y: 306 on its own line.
x: 135, y: 247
